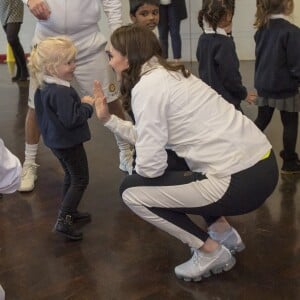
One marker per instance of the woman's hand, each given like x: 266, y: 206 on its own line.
x: 101, y: 106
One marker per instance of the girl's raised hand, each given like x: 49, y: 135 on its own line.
x: 101, y: 106
x: 88, y: 99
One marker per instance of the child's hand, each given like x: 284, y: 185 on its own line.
x: 251, y: 98
x: 88, y: 99
x: 101, y: 106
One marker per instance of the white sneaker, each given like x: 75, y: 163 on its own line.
x: 2, y: 293
x: 230, y: 239
x: 204, y: 264
x: 28, y: 177
x: 126, y: 161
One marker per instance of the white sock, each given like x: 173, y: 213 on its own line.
x: 30, y: 153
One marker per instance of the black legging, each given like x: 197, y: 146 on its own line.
x: 290, y: 129
x: 12, y: 35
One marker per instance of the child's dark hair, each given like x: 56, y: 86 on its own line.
x: 265, y: 8
x: 136, y: 4
x: 213, y: 11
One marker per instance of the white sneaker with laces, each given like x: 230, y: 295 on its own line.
x: 230, y: 239
x: 203, y: 264
x: 28, y: 177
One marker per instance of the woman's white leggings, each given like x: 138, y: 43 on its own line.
x: 167, y: 200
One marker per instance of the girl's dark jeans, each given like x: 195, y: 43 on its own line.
x: 75, y: 165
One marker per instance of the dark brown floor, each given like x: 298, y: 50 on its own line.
x: 121, y: 256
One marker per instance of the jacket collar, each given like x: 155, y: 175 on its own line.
x: 51, y: 79
x: 149, y: 65
x: 278, y: 16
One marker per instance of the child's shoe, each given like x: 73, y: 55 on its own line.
x: 64, y: 226
x: 81, y: 217
x: 291, y: 167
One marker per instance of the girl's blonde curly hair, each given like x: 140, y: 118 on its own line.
x: 47, y: 55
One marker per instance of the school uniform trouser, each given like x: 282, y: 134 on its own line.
x: 169, y: 22
x: 167, y: 200
x: 75, y: 165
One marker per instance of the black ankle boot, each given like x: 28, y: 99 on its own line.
x: 64, y: 226
x: 81, y: 217
x: 291, y: 167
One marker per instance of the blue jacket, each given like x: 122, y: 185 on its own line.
x: 219, y: 66
x: 277, y: 65
x: 61, y: 116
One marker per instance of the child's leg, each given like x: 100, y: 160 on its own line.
x: 163, y: 29
x: 264, y: 117
x: 290, y: 132
x: 74, y: 163
x: 291, y: 163
x: 174, y: 27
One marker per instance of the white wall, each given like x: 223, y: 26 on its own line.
x: 243, y: 30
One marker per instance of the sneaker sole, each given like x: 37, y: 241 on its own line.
x: 28, y: 189
x: 238, y: 248
x: 215, y: 270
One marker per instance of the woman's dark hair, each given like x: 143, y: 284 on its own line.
x: 138, y: 44
x: 213, y: 11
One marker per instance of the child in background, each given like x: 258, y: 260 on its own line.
x: 145, y: 12
x: 277, y: 74
x: 171, y: 12
x: 62, y: 117
x: 216, y: 53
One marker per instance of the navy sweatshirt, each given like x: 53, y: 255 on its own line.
x: 61, y: 116
x: 219, y: 66
x: 277, y: 65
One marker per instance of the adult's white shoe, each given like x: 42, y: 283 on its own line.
x: 28, y: 177
x: 203, y: 264
x: 230, y: 239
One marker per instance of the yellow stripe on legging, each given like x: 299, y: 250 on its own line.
x: 266, y: 155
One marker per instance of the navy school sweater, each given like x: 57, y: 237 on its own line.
x: 219, y: 66
x: 61, y: 116
x: 277, y: 65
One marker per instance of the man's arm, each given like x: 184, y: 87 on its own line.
x: 38, y: 8
x: 113, y: 11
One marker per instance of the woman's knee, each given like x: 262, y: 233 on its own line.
x: 128, y: 182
